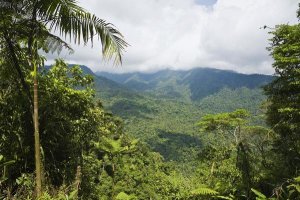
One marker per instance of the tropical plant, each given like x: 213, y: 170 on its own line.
x: 27, y: 27
x: 233, y: 146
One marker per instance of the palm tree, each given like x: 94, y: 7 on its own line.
x: 27, y: 27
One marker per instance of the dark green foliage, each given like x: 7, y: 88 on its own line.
x: 128, y: 108
x: 283, y: 113
x: 15, y: 124
x: 167, y: 143
x: 234, y: 153
x: 76, y: 132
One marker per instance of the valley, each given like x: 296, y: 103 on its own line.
x: 163, y: 108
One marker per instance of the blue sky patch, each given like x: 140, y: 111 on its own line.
x: 206, y: 2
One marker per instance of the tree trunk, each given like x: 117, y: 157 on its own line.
x: 37, y: 138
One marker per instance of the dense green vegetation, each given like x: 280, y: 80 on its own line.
x: 198, y: 134
x: 166, y: 122
x: 76, y: 132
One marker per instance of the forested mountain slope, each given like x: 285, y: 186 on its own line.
x: 106, y: 88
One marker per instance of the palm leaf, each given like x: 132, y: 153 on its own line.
x: 54, y: 43
x: 69, y: 19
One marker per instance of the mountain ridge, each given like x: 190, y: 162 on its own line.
x: 194, y: 84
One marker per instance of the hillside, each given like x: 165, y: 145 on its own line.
x: 107, y: 89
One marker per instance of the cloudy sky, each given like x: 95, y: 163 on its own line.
x: 183, y: 34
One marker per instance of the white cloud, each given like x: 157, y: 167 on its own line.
x: 182, y: 34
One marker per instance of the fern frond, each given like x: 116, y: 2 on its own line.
x: 204, y: 191
x: 224, y: 197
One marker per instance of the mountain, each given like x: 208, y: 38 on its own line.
x: 193, y: 85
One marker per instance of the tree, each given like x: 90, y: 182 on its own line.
x: 26, y: 28
x: 283, y: 112
x: 235, y: 150
x: 114, y: 148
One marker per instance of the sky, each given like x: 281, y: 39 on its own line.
x: 184, y: 34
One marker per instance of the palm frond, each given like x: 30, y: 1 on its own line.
x: 55, y: 44
x: 72, y: 21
